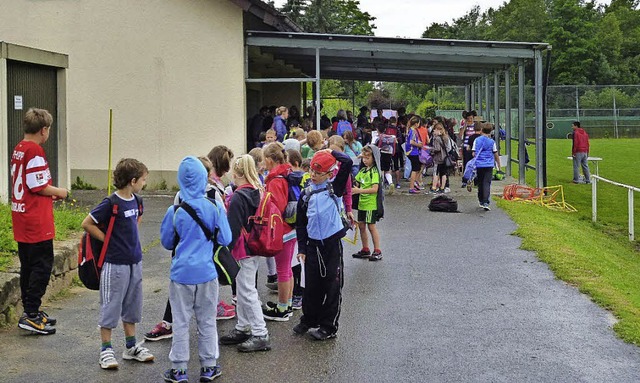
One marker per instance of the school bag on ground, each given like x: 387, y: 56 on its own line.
x: 443, y: 203
x: 226, y: 266
x: 343, y: 126
x: 91, y: 251
x: 265, y: 236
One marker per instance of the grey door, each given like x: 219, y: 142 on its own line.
x: 38, y: 87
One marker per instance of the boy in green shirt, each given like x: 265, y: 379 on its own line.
x: 368, y: 184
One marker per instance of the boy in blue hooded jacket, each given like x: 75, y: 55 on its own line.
x: 194, y: 284
x: 319, y: 229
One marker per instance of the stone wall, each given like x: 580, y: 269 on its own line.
x: 65, y: 265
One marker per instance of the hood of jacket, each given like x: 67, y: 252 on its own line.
x: 376, y: 158
x: 192, y: 178
x: 281, y: 170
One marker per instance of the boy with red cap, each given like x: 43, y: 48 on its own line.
x: 319, y: 229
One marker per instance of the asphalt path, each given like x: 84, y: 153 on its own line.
x: 453, y: 300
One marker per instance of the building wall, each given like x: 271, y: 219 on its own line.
x: 172, y: 71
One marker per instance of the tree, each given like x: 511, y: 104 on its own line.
x: 330, y: 16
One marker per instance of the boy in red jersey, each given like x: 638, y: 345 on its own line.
x: 32, y: 215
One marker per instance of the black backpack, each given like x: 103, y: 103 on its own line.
x: 444, y: 203
x: 90, y: 267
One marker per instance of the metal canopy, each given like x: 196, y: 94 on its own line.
x: 309, y: 57
x: 434, y: 61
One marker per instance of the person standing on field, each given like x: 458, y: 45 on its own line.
x: 580, y: 153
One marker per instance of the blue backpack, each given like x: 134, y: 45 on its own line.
x: 343, y: 126
x: 295, y: 189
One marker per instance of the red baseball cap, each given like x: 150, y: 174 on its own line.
x: 323, y: 162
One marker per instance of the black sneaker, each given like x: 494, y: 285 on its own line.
x: 274, y: 305
x: 301, y: 328
x: 235, y: 337
x: 47, y: 319
x: 36, y: 325
x: 272, y: 313
x: 208, y: 374
x: 255, y: 343
x: 376, y: 256
x: 361, y: 254
x: 322, y: 334
x: 272, y: 282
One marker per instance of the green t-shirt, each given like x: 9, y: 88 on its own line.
x: 307, y: 152
x: 367, y: 178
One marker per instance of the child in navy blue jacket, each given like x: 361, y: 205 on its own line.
x: 319, y: 229
x: 194, y: 281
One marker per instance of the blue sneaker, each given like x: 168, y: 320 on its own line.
x: 208, y: 374
x: 297, y: 302
x: 176, y: 376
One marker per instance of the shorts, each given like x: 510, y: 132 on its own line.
x: 416, y: 165
x: 368, y: 216
x: 120, y: 294
x: 385, y: 161
x: 442, y: 170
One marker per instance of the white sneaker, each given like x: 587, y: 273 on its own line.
x: 447, y: 190
x: 138, y: 353
x: 108, y: 360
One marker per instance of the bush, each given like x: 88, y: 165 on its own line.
x: 80, y: 184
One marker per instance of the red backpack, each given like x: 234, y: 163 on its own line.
x: 266, y: 229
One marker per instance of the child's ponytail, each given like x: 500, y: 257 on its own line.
x: 244, y: 166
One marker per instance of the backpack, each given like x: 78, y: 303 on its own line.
x: 343, y: 126
x: 443, y: 203
x: 453, y: 152
x: 227, y: 267
x: 387, y: 143
x: 265, y: 237
x: 89, y: 268
x: 295, y: 189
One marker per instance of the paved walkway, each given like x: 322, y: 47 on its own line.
x: 454, y: 300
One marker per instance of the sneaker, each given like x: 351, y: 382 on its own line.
x: 47, y: 319
x: 480, y: 204
x: 376, y: 256
x: 176, y: 376
x: 234, y: 300
x: 255, y: 343
x: 301, y: 328
x: 139, y: 353
x: 272, y: 282
x: 272, y: 313
x: 225, y: 311
x: 162, y: 330
x: 297, y: 302
x: 208, y: 374
x: 36, y: 325
x: 464, y: 185
x: 322, y: 334
x: 234, y: 337
x: 414, y: 191
x: 361, y: 254
x: 398, y: 186
x: 416, y: 186
x: 439, y: 191
x: 447, y: 190
x: 274, y: 305
x: 469, y: 186
x: 108, y: 359
x: 486, y: 207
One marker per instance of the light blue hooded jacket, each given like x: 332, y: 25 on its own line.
x: 193, y: 263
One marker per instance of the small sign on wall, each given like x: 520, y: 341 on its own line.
x: 17, y: 102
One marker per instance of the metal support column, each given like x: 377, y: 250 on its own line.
x: 487, y: 92
x: 496, y: 108
x: 539, y: 134
x: 473, y: 97
x: 318, y: 111
x: 467, y: 100
x: 507, y: 119
x: 521, y: 127
x: 479, y: 110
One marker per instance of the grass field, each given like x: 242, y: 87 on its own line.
x: 597, y: 258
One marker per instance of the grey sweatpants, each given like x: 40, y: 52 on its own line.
x: 580, y: 160
x: 201, y: 299
x: 250, y: 318
x: 120, y: 294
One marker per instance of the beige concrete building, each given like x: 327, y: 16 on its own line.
x: 172, y: 71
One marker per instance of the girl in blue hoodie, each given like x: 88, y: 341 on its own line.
x: 194, y: 285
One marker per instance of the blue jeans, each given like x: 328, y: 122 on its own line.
x: 580, y: 160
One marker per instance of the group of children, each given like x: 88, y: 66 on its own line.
x: 323, y: 206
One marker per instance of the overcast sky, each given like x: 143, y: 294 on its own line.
x: 410, y: 18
